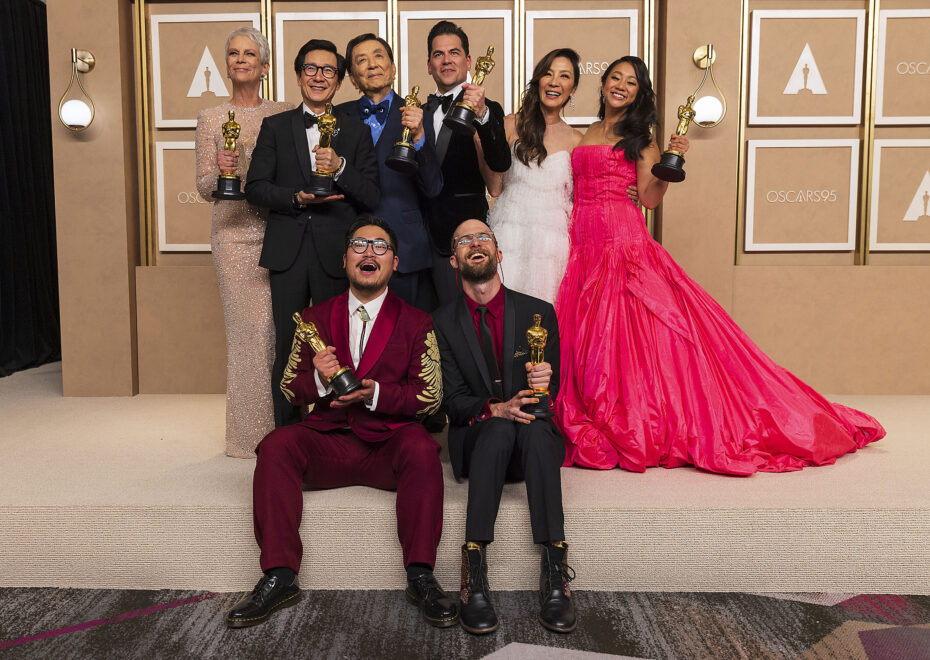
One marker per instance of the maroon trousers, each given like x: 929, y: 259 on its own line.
x: 289, y: 456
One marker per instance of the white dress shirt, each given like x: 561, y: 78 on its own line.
x: 313, y: 137
x: 373, y: 307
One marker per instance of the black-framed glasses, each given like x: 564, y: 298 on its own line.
x: 328, y: 71
x: 483, y: 238
x: 378, y: 245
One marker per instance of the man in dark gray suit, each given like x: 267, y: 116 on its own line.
x: 370, y: 63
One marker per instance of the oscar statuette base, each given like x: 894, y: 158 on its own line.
x: 345, y: 382
x: 228, y: 187
x: 461, y: 119
x: 403, y: 158
x: 320, y: 184
x: 670, y: 168
x: 540, y: 410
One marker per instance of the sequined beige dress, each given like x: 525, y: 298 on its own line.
x: 236, y: 239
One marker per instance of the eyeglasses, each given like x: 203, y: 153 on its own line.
x: 327, y: 70
x: 483, y: 238
x: 378, y: 245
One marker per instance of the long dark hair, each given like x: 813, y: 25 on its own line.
x: 531, y: 123
x: 634, y: 130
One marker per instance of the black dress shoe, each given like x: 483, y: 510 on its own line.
x: 477, y: 611
x: 269, y: 594
x: 557, y: 612
x: 438, y: 609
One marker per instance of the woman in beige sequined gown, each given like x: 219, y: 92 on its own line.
x: 236, y: 240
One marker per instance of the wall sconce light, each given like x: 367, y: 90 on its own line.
x: 707, y: 112
x: 77, y: 113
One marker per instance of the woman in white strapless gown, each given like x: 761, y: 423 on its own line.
x: 534, y: 197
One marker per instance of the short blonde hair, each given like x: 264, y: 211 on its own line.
x: 264, y: 51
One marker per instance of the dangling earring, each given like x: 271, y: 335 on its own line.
x: 264, y: 76
x: 571, y: 101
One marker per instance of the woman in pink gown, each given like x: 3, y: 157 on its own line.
x: 653, y: 370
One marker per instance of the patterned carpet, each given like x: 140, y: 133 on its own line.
x: 82, y: 623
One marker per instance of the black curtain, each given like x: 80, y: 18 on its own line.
x: 29, y: 321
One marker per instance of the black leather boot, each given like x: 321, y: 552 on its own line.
x: 557, y: 612
x: 476, y: 612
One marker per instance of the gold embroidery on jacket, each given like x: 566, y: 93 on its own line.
x: 431, y: 374
x: 290, y: 371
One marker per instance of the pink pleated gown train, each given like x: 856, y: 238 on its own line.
x: 655, y: 373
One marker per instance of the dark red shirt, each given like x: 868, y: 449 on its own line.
x: 495, y: 316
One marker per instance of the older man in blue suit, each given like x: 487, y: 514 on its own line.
x: 370, y: 63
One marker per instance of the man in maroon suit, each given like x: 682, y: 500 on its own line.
x: 370, y: 437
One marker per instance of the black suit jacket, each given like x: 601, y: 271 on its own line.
x: 281, y: 166
x: 402, y: 195
x: 465, y: 379
x: 463, y: 193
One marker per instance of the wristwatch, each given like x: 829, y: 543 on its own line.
x: 295, y: 202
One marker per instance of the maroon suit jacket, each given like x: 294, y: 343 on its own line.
x: 401, y: 355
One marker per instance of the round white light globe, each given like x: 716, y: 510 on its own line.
x: 707, y: 110
x: 76, y: 114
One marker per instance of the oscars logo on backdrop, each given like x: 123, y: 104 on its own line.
x: 920, y: 204
x: 805, y: 79
x: 207, y: 78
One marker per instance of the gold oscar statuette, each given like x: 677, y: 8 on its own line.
x: 344, y: 381
x: 671, y: 166
x: 228, y: 183
x: 403, y: 158
x: 536, y: 337
x: 461, y: 117
x: 321, y: 181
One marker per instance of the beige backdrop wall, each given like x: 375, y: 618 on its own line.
x: 843, y: 327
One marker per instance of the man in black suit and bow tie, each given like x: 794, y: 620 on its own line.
x: 303, y: 243
x: 463, y: 193
x: 370, y: 63
x: 487, y: 376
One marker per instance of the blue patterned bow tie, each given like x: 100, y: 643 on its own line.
x: 367, y: 109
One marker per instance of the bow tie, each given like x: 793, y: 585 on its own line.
x: 367, y: 109
x: 445, y: 100
x: 309, y: 120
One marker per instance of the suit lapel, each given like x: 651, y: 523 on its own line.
x: 471, y: 340
x: 380, y: 333
x: 300, y: 142
x: 445, y: 134
x: 510, y: 327
x: 391, y: 131
x: 339, y: 329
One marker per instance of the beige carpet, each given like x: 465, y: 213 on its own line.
x: 136, y: 493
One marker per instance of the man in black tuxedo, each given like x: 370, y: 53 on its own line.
x: 370, y: 62
x: 487, y: 377
x: 303, y: 243
x: 463, y: 193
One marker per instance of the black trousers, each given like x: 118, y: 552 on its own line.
x: 415, y: 289
x: 498, y: 450
x: 292, y: 291
x: 445, y: 279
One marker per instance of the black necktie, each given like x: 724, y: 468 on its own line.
x: 445, y: 100
x: 487, y: 347
x: 309, y: 120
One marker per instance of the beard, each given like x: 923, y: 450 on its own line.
x: 369, y: 285
x: 479, y: 273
